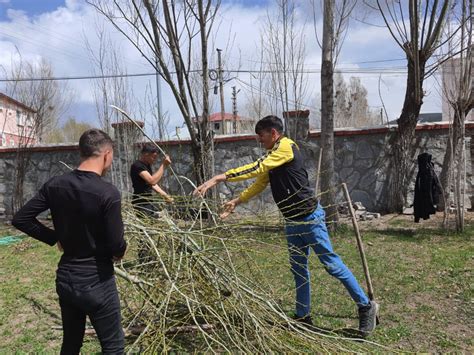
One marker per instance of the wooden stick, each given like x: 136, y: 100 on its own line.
x: 131, y: 278
x: 359, y: 243
x: 318, y: 171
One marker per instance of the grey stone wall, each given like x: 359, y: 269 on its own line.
x: 43, y: 164
x: 362, y: 161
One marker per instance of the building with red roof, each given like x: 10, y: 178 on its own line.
x: 231, y: 124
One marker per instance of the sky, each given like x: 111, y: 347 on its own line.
x: 58, y: 31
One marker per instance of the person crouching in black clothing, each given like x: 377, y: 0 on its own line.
x: 144, y: 181
x: 88, y: 229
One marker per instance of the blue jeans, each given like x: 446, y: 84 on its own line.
x: 311, y: 232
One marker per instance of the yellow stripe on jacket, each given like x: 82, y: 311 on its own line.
x: 281, y: 153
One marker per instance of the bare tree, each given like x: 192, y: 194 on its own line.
x: 30, y: 84
x: 351, y: 108
x: 284, y: 52
x: 335, y: 25
x: 416, y: 26
x: 258, y: 103
x: 167, y: 33
x: 327, y: 112
x: 113, y: 87
x: 69, y: 132
x: 106, y: 61
x: 458, y: 94
x: 50, y: 99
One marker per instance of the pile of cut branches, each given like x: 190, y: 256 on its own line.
x: 189, y: 287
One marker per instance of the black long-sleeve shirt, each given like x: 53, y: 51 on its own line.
x: 86, y: 213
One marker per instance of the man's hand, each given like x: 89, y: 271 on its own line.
x: 229, y: 207
x: 162, y: 193
x: 201, y: 189
x: 166, y: 160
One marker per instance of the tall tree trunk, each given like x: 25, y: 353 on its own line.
x: 207, y: 146
x: 460, y: 167
x: 402, y: 144
x: 448, y: 168
x: 460, y: 99
x: 328, y: 195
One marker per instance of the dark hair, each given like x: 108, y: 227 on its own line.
x: 92, y: 141
x: 269, y: 122
x: 149, y: 148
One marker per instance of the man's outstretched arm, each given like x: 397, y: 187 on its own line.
x: 280, y: 154
x: 257, y: 187
x: 162, y: 193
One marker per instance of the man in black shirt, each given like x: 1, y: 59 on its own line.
x: 144, y: 181
x: 88, y: 228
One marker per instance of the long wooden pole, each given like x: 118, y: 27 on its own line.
x: 318, y: 171
x: 359, y: 243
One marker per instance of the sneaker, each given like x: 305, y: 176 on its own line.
x: 368, y: 318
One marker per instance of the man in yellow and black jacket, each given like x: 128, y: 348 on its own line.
x: 283, y: 167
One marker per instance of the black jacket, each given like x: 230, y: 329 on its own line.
x: 282, y: 167
x: 427, y: 188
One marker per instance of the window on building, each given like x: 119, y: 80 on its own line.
x: 29, y: 121
x: 12, y: 142
x: 217, y: 126
x: 19, y: 121
x: 3, y: 140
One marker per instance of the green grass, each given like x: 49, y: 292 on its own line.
x: 28, y: 306
x: 422, y: 278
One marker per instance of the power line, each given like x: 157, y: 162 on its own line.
x: 87, y: 77
x: 378, y: 71
x: 318, y: 64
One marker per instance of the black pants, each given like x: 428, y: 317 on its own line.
x: 144, y: 207
x: 85, y: 292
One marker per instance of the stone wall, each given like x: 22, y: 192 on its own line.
x: 362, y: 161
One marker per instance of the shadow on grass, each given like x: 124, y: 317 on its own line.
x: 411, y: 235
x: 340, y: 332
x: 332, y: 315
x: 38, y: 306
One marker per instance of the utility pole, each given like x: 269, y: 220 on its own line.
x: 234, y: 109
x: 221, y: 87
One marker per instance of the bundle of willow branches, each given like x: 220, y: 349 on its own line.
x: 190, y: 285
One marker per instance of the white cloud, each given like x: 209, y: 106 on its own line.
x: 58, y: 36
